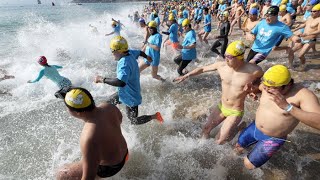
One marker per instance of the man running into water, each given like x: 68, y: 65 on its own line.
x: 103, y: 148
x: 127, y: 81
x: 309, y: 36
x: 283, y: 104
x: 236, y: 75
x: 267, y: 33
x: 248, y: 25
x: 50, y: 71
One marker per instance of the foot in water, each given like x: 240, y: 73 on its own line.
x: 159, y: 117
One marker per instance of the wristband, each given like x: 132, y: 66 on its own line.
x: 289, y: 108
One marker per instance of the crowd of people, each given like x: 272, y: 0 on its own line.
x: 188, y: 27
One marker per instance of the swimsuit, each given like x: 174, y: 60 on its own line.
x: 307, y: 41
x: 265, y: 147
x: 108, y: 171
x: 229, y: 112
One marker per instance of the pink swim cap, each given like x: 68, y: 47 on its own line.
x: 42, y: 60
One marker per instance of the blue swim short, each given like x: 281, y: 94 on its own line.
x: 265, y: 147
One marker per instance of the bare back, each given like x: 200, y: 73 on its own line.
x: 233, y: 83
x: 105, y: 134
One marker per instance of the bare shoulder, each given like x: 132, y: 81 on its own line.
x: 304, y: 92
x: 253, y: 68
x: 110, y: 108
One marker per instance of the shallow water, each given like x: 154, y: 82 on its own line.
x: 37, y: 135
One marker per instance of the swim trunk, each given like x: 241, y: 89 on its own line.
x: 229, y: 112
x: 265, y: 147
x: 307, y: 41
x: 256, y: 56
x: 64, y: 83
x: 108, y: 171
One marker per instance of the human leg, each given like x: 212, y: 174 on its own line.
x: 183, y: 64
x: 214, y: 119
x: 214, y: 47
x: 142, y: 66
x: 305, y: 48
x: 205, y: 37
x: 70, y: 171
x: 228, y: 129
x: 154, y: 73
x: 132, y: 114
x: 113, y: 99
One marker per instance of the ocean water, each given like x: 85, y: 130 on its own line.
x: 37, y: 135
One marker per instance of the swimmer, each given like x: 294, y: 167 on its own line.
x: 50, y: 71
x: 236, y: 78
x: 128, y: 82
x: 104, y: 150
x: 283, y: 104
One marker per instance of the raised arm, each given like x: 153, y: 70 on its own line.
x: 199, y: 70
x: 41, y: 74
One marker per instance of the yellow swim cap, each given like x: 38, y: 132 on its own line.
x: 152, y: 24
x: 284, y: 2
x: 253, y: 5
x: 316, y: 7
x: 114, y: 23
x: 171, y: 18
x: 236, y: 49
x: 119, y: 43
x: 276, y: 76
x: 283, y: 7
x: 79, y: 99
x: 185, y: 22
x: 225, y: 13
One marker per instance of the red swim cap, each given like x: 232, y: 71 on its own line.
x: 42, y: 60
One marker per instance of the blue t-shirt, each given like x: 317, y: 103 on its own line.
x: 173, y: 30
x: 128, y: 72
x: 185, y: 13
x: 275, y: 2
x: 222, y: 7
x: 207, y: 19
x: 200, y: 14
x: 180, y: 24
x: 174, y: 13
x: 117, y: 29
x: 151, y: 17
x: 306, y: 15
x: 157, y: 20
x: 267, y: 35
x: 155, y: 39
x: 134, y: 53
x: 189, y: 39
x: 196, y: 12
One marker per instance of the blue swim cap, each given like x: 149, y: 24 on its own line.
x: 141, y: 20
x: 313, y: 2
x: 239, y: 1
x: 253, y: 11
